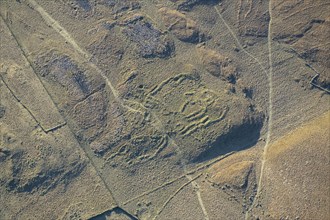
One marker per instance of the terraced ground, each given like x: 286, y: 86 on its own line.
x: 173, y: 109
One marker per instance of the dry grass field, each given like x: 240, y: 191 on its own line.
x: 164, y: 109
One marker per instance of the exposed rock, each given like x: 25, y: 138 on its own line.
x: 2, y: 111
x: 187, y: 5
x: 217, y: 64
x: 324, y: 81
x: 84, y: 4
x: 183, y: 28
x: 81, y: 9
x: 119, y: 7
x: 66, y: 73
x: 81, y: 92
x: 150, y: 41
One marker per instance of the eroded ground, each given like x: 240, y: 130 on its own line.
x: 176, y: 109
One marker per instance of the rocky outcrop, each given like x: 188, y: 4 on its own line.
x: 184, y: 28
x: 150, y: 41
